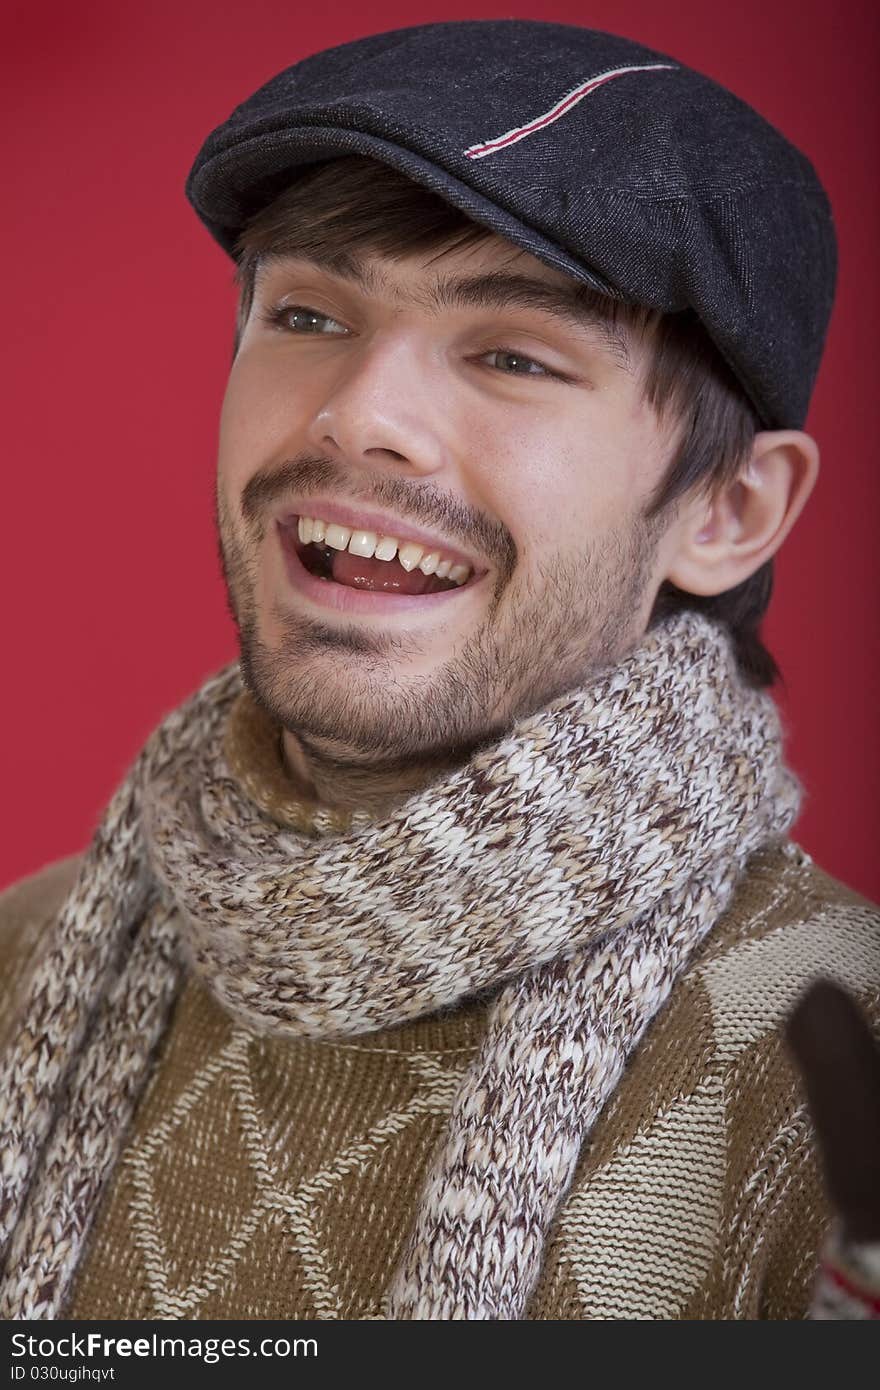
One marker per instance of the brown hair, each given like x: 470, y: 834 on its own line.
x: 364, y: 206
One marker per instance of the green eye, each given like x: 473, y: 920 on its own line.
x: 302, y: 321
x: 520, y: 357
x: 309, y: 320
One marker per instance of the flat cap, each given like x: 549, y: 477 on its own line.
x: 609, y: 161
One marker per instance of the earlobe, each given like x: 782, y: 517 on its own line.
x: 719, y: 542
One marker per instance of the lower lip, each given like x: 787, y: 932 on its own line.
x: 345, y: 599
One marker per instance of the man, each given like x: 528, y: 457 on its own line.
x: 434, y: 960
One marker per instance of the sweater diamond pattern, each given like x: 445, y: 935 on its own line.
x: 276, y: 1178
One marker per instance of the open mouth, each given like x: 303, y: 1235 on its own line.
x: 366, y: 572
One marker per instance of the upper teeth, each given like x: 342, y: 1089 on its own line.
x: 369, y: 543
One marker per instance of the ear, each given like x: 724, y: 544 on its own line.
x: 717, y: 543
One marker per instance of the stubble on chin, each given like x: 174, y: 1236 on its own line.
x: 547, y: 631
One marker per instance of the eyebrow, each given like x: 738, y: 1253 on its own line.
x: 572, y: 305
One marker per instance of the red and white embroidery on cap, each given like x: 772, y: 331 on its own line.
x: 564, y: 104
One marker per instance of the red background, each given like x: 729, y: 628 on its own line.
x: 118, y: 313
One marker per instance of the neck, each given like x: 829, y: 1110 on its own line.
x: 330, y: 776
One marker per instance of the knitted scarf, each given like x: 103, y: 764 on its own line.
x: 569, y: 867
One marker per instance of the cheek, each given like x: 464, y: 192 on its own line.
x: 258, y: 420
x: 560, y: 485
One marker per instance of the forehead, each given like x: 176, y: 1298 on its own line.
x: 490, y: 275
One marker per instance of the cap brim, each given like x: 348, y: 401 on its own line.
x: 233, y: 185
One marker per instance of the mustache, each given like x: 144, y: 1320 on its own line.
x: 422, y: 505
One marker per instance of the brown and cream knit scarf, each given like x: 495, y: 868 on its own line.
x: 572, y: 866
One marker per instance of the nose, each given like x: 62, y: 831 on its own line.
x: 381, y: 405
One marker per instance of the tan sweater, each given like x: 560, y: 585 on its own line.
x: 277, y: 1179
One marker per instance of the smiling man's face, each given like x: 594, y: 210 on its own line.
x: 506, y: 433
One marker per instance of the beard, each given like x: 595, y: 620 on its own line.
x: 379, y: 701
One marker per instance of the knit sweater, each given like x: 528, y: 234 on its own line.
x: 276, y: 1178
